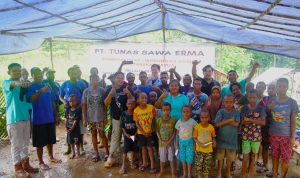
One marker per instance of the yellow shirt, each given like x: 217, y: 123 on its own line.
x: 145, y: 118
x: 204, y: 135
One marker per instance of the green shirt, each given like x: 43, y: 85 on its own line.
x: 165, y: 128
x: 16, y: 110
x: 226, y: 89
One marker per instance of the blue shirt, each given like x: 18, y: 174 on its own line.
x: 227, y: 134
x: 16, y: 110
x: 200, y: 101
x: 176, y: 104
x: 145, y: 89
x: 42, y: 111
x: 68, y: 88
x: 226, y: 89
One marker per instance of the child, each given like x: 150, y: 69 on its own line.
x: 72, y: 126
x: 282, y: 127
x: 185, y: 141
x: 144, y: 116
x: 129, y: 129
x: 204, y: 137
x: 214, y: 103
x: 227, y: 122
x: 94, y: 114
x: 253, y: 117
x: 166, y: 133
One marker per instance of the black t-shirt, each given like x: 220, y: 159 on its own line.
x: 128, y: 123
x: 164, y: 87
x: 118, y: 102
x: 206, y: 87
x: 73, y: 116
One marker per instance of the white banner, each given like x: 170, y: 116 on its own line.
x: 107, y: 57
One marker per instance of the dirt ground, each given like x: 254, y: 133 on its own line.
x: 85, y: 168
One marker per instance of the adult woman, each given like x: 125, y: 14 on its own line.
x: 174, y: 97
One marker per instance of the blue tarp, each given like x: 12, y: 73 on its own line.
x: 253, y: 24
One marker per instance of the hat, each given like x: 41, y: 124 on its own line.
x: 34, y: 70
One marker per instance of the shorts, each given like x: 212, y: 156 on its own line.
x: 130, y: 145
x: 202, y: 163
x: 229, y: 154
x: 92, y: 126
x: 250, y: 147
x: 145, y: 141
x: 186, y: 151
x: 43, y: 135
x: 83, y: 130
x: 166, y: 154
x: 281, y: 148
x: 74, y: 137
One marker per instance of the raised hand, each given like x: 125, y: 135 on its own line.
x: 195, y: 62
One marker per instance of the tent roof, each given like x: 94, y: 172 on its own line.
x: 265, y: 25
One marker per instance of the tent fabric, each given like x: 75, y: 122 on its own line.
x: 266, y: 25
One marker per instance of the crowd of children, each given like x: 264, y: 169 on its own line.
x: 190, y: 126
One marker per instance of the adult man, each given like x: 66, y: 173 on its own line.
x: 232, y: 77
x: 154, y: 79
x: 187, y: 81
x: 208, y: 82
x: 72, y: 86
x: 43, y: 125
x: 116, y: 97
x: 130, y: 77
x: 17, y: 121
x: 55, y: 89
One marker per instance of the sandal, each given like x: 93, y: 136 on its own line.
x: 95, y: 159
x: 262, y: 170
x: 44, y: 167
x: 105, y: 157
x: 122, y: 171
x: 142, y: 168
x: 270, y: 174
x: 152, y: 171
x: 232, y: 169
x: 53, y: 160
x: 259, y: 164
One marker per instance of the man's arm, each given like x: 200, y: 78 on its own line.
x: 174, y: 72
x: 108, y: 99
x: 194, y: 68
x: 37, y: 95
x: 252, y: 72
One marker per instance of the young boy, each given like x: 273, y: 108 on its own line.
x: 282, y: 127
x: 129, y: 129
x: 227, y: 122
x: 204, y: 137
x: 253, y: 117
x: 72, y: 126
x: 144, y: 116
x: 166, y: 133
x: 184, y: 139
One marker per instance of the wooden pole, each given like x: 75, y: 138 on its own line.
x: 51, y: 53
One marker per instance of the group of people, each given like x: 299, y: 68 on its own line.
x: 190, y: 125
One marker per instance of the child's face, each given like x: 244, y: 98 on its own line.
x: 271, y: 90
x: 143, y: 99
x: 215, y: 94
x: 152, y: 97
x: 73, y: 101
x: 174, y: 88
x: 143, y: 78
x: 130, y: 104
x: 252, y: 97
x: 282, y: 88
x: 94, y: 81
x: 197, y: 84
x: 204, y: 117
x: 166, y: 110
x: 186, y: 112
x: 15, y: 73
x: 228, y: 102
x: 236, y: 91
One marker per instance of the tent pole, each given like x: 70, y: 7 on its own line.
x: 51, y: 53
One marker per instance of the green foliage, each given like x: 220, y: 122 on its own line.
x: 298, y: 121
x: 3, y: 132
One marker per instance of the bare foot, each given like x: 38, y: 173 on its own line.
x: 56, y: 161
x: 73, y: 157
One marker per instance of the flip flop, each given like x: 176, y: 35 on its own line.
x: 95, y: 159
x: 270, y: 174
x: 262, y: 170
x: 142, y: 168
x: 152, y: 171
x: 55, y: 160
x: 259, y: 164
x: 44, y: 167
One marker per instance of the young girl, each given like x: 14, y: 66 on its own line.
x: 214, y: 103
x: 72, y: 126
x: 94, y: 114
x: 185, y: 141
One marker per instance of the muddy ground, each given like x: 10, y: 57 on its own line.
x: 85, y: 168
